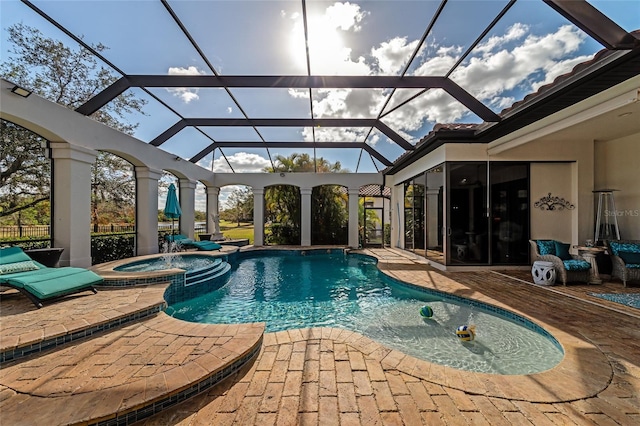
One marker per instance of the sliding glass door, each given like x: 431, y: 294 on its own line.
x: 469, y: 213
x: 467, y: 218
x: 434, y: 214
x: 414, y: 215
x: 509, y: 213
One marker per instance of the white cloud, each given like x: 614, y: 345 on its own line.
x: 201, y: 197
x: 224, y: 194
x: 353, y: 103
x: 345, y: 16
x: 185, y: 71
x: 242, y: 162
x: 392, y: 55
x: 439, y: 64
x: 335, y: 134
x: 558, y: 68
x: 187, y: 95
x: 515, y: 32
x: 327, y: 51
x: 538, y: 60
x: 499, y: 68
x: 299, y: 93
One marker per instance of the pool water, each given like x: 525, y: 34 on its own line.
x: 168, y: 261
x: 348, y: 291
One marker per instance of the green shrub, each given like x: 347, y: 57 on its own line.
x: 387, y: 234
x: 283, y: 235
x: 105, y: 248
x: 27, y: 243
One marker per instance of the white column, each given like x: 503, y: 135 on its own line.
x: 258, y: 216
x: 187, y: 205
x: 397, y: 216
x: 305, y: 216
x: 147, y: 210
x: 71, y: 191
x: 213, y: 215
x: 353, y: 217
x: 433, y: 228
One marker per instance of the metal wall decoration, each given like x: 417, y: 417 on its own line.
x: 553, y: 203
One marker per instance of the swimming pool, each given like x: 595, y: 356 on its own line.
x: 288, y: 291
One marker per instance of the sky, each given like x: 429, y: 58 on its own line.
x: 529, y: 46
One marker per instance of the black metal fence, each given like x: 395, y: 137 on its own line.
x: 44, y: 231
x: 29, y: 231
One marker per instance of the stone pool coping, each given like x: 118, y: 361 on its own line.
x: 584, y: 371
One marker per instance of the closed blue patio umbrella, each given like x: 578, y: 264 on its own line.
x: 172, y: 206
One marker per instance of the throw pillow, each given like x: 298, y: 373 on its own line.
x: 562, y: 250
x: 576, y: 265
x: 546, y: 247
x: 630, y: 258
x: 11, y: 268
x: 617, y: 247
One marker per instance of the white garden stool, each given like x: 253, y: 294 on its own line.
x: 543, y: 273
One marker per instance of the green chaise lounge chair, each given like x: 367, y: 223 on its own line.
x: 39, y: 283
x: 186, y: 242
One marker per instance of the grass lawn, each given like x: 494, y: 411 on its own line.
x: 233, y: 231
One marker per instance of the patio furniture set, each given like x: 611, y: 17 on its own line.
x: 553, y: 261
x: 39, y: 282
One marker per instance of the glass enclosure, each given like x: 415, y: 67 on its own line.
x: 510, y: 213
x: 434, y: 214
x: 481, y: 207
x: 372, y: 222
x: 414, y: 214
x: 468, y: 224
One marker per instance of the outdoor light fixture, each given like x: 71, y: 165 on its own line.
x: 20, y: 91
x: 281, y: 174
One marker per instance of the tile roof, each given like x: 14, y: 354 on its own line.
x: 452, y: 128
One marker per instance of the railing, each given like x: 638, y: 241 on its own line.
x: 112, y: 228
x: 108, y: 242
x: 199, y: 228
x: 29, y: 231
x: 38, y: 232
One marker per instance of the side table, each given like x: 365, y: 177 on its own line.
x: 589, y: 254
x: 49, y: 257
x: 543, y: 273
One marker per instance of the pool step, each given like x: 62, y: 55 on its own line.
x: 197, y: 274
x: 116, y: 308
x: 215, y: 270
x: 139, y: 383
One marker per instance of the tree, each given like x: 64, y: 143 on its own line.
x: 241, y: 204
x: 65, y: 76
x: 70, y: 78
x: 282, y: 203
x: 112, y: 190
x: 24, y: 172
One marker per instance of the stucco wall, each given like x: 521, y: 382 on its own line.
x: 580, y: 158
x: 554, y: 178
x: 617, y: 167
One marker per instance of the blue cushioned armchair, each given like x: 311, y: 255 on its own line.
x: 625, y: 257
x: 569, y: 267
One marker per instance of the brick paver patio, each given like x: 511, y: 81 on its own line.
x: 323, y: 375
